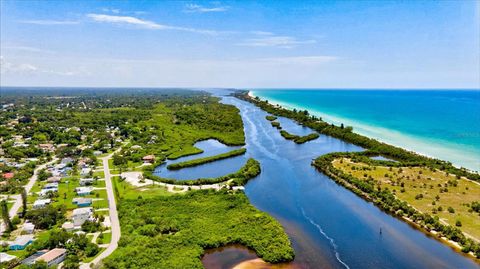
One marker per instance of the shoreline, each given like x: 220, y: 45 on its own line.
x: 456, y: 246
x: 364, y: 132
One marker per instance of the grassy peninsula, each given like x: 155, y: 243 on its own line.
x: 250, y: 170
x: 199, y: 161
x: 299, y: 139
x: 430, y: 193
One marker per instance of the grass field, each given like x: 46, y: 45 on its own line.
x: 428, y: 190
x: 124, y: 190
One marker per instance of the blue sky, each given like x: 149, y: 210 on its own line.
x: 255, y: 44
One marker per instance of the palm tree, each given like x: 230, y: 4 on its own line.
x: 24, y: 202
x: 5, y: 216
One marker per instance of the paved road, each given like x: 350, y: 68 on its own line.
x: 18, y: 198
x: 112, y: 207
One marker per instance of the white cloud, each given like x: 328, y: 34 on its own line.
x: 7, y: 67
x: 112, y: 10
x: 128, y: 20
x: 26, y: 49
x: 317, y: 59
x: 261, y: 33
x: 269, y: 40
x: 49, y: 22
x: 192, y: 8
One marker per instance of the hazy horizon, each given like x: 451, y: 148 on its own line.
x: 227, y: 44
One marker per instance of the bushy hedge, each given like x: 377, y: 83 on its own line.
x: 199, y: 161
x: 174, y: 231
x: 270, y: 118
x: 299, y: 139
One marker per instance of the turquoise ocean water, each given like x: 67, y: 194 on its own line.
x: 444, y: 124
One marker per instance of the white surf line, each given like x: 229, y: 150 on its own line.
x: 332, y: 242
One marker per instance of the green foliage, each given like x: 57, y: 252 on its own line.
x: 475, y: 206
x: 270, y: 117
x: 299, y: 139
x: 173, y: 231
x: 47, y: 217
x: 5, y: 216
x: 200, y: 161
x: 276, y: 124
x: 91, y: 226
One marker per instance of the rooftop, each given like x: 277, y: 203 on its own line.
x: 51, y: 255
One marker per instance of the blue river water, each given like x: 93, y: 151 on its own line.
x: 329, y: 226
x: 439, y: 123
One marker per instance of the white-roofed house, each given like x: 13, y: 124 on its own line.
x: 53, y: 257
x: 28, y: 227
x: 82, y: 191
x: 41, y: 203
x: 86, y: 181
x: 80, y: 215
x: 21, y: 242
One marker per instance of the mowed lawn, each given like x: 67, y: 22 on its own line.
x: 428, y: 191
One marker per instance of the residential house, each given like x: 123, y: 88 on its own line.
x: 85, y: 172
x: 80, y: 215
x: 82, y: 191
x: 5, y: 257
x: 54, y: 180
x: 46, y: 192
x: 21, y: 242
x: 52, y: 185
x: 86, y: 181
x: 68, y: 226
x: 47, y: 147
x: 149, y: 159
x: 41, y: 203
x: 82, y: 202
x: 28, y: 227
x: 8, y: 175
x: 66, y: 160
x: 53, y: 257
x: 135, y: 147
